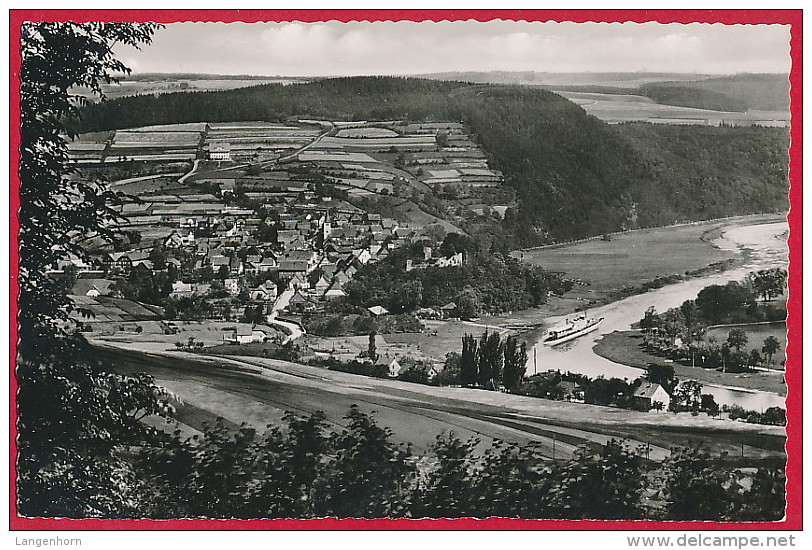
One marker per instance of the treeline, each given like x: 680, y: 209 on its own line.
x: 705, y: 172
x: 488, y: 362
x: 304, y: 469
x: 689, y: 96
x: 487, y: 282
x: 767, y: 92
x: 575, y: 175
x: 681, y: 333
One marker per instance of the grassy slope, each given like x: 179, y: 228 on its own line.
x: 573, y: 175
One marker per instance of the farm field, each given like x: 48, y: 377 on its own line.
x: 632, y: 258
x: 614, y: 109
x: 163, y: 84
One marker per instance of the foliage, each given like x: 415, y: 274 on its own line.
x: 469, y: 360
x: 695, y: 487
x: 603, y: 485
x: 608, y: 391
x: 515, y: 363
x: 769, y: 283
x: 662, y: 375
x: 486, y: 283
x: 368, y: 474
x: 372, y: 352
x: 771, y: 345
x: 688, y: 96
x: 737, y: 338
x: 56, y: 206
x: 680, y: 333
x: 450, y: 375
x: 489, y: 360
x: 74, y: 413
x: 512, y: 483
x: 716, y: 301
x: 448, y: 489
x: 775, y: 416
x: 687, y: 396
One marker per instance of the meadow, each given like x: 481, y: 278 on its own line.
x: 756, y: 334
x: 635, y: 257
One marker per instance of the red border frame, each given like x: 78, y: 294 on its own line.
x: 793, y: 519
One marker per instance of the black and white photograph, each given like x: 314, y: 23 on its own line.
x: 518, y: 268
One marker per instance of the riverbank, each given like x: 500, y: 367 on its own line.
x: 624, y: 347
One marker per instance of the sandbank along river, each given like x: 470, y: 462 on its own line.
x: 767, y: 245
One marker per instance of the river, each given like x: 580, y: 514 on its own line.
x: 766, y: 245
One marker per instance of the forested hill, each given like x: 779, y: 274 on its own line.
x: 574, y: 176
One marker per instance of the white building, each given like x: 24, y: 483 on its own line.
x: 220, y: 151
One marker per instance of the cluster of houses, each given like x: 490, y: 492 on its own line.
x: 647, y: 396
x: 312, y: 252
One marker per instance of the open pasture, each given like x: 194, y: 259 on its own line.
x: 633, y: 258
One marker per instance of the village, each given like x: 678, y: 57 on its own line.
x: 241, y: 236
x: 262, y: 229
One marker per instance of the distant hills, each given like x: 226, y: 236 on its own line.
x: 767, y: 92
x: 571, y: 175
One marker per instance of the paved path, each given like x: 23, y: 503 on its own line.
x: 145, y: 178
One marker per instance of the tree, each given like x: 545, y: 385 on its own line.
x: 368, y: 475
x: 709, y: 405
x: 372, y: 351
x: 490, y: 360
x: 254, y: 315
x: 72, y: 411
x: 469, y: 360
x: 158, y: 256
x: 55, y: 206
x: 468, y: 303
x: 662, y: 375
x: 604, y: 485
x: 687, y: 396
x: 716, y: 301
x: 602, y: 391
x: 769, y: 283
x: 737, y: 338
x: 515, y: 353
x: 449, y: 487
x: 650, y: 320
x: 450, y: 375
x: 754, y: 359
x: 695, y: 487
x: 771, y: 346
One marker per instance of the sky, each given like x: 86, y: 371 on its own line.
x: 397, y: 48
